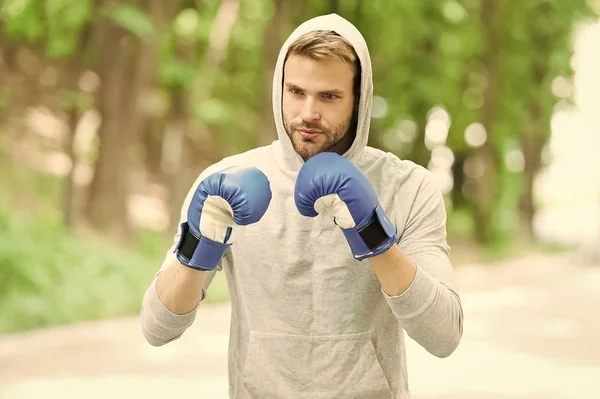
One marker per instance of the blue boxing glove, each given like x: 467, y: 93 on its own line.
x: 330, y: 180
x: 233, y: 196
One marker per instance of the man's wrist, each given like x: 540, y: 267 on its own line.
x: 186, y: 270
x: 394, y: 269
x: 372, y: 238
x: 197, y: 251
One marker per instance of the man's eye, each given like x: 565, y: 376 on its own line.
x: 295, y: 91
x: 330, y: 96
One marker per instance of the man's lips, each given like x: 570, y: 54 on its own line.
x: 308, y: 133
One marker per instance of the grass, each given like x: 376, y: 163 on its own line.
x: 52, y: 276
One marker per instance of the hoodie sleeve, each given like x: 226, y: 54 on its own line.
x: 430, y: 310
x: 159, y: 325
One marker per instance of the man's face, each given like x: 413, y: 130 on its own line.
x: 318, y: 104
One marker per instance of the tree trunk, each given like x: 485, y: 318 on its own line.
x: 424, y: 60
x: 6, y: 58
x: 194, y: 144
x: 419, y: 153
x: 357, y: 14
x: 152, y: 141
x: 69, y: 185
x: 458, y: 176
x: 177, y: 160
x: 334, y: 6
x: 273, y: 40
x: 155, y: 120
x: 74, y: 67
x: 537, y: 130
x: 106, y: 207
x: 486, y: 193
x: 531, y: 145
x: 487, y: 185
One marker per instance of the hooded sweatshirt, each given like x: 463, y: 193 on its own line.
x: 307, y: 319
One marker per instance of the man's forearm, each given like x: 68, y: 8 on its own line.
x: 430, y: 312
x: 179, y: 288
x: 395, y: 270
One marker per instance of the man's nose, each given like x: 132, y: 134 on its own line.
x: 310, y: 110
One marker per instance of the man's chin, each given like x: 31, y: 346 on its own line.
x: 307, y: 150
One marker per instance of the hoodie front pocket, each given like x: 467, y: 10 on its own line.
x: 301, y: 366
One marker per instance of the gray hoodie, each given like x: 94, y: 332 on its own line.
x: 308, y: 320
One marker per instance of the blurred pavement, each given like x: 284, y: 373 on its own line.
x: 532, y: 330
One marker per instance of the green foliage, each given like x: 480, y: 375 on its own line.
x: 50, y: 276
x: 20, y: 184
x: 176, y: 73
x: 53, y: 23
x: 131, y: 18
x: 460, y: 224
x: 213, y: 111
x: 186, y: 23
x: 4, y: 97
x: 21, y: 19
x: 425, y: 54
x: 179, y: 57
x: 64, y: 20
x: 75, y: 100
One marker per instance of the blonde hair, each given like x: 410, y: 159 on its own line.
x: 328, y: 45
x: 324, y: 45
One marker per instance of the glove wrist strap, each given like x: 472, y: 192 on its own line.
x: 372, y: 238
x: 198, y: 252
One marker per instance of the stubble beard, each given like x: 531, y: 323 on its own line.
x: 307, y: 148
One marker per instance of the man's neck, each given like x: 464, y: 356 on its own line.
x: 345, y: 143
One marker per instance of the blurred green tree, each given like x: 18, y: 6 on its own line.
x: 463, y: 87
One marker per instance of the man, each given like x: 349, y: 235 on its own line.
x: 331, y: 248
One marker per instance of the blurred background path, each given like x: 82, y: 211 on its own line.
x: 531, y: 331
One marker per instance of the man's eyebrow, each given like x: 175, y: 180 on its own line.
x: 338, y: 92
x: 333, y: 91
x: 291, y: 85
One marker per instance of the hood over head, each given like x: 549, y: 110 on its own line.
x: 285, y: 155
